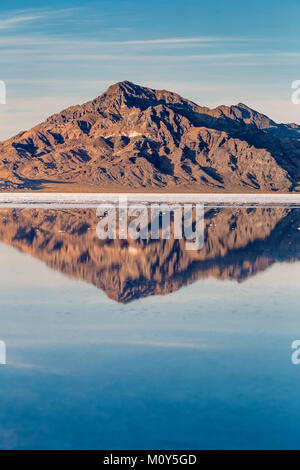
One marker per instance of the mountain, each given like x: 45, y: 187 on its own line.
x: 239, y: 242
x: 136, y: 138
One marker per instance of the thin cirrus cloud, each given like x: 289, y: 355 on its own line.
x: 9, y: 23
x: 71, y: 42
x: 205, y: 39
x: 225, y: 59
x: 64, y: 41
x: 21, y: 17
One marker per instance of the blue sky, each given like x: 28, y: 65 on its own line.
x: 55, y: 54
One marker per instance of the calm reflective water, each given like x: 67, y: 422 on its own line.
x: 145, y: 345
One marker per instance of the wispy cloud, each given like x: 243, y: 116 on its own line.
x: 224, y: 59
x: 18, y: 17
x: 16, y: 20
x: 63, y: 40
x: 201, y: 39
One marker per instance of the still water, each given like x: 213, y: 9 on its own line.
x: 126, y: 344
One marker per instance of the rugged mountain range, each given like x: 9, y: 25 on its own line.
x: 135, y: 138
x: 238, y: 244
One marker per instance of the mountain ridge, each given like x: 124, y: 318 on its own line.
x: 137, y: 138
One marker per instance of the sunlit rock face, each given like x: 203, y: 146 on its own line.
x: 238, y: 243
x: 137, y: 138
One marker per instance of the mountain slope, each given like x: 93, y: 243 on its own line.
x: 133, y: 137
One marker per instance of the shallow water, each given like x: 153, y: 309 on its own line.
x: 145, y: 345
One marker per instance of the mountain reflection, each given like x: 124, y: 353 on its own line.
x: 238, y: 243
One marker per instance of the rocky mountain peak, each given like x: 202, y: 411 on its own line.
x: 134, y: 137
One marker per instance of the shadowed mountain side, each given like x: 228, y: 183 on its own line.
x: 136, y: 138
x: 238, y: 244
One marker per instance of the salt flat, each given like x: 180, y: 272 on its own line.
x: 89, y: 200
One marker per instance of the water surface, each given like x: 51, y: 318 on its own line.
x: 126, y: 344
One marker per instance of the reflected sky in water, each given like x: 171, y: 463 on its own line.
x: 207, y: 365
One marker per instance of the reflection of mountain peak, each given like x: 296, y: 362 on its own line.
x: 238, y: 244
